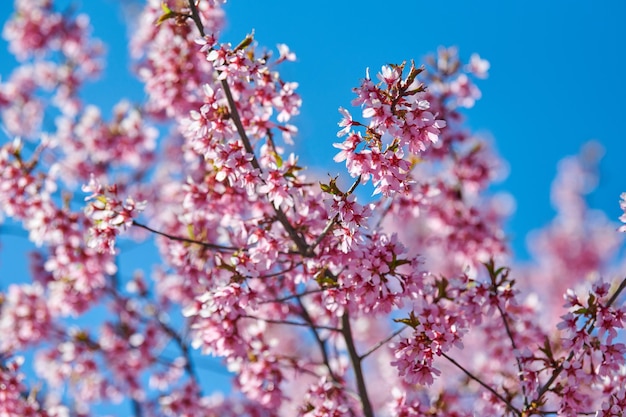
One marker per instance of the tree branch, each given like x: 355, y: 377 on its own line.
x: 196, y: 17
x: 280, y: 214
x: 484, y: 385
x: 356, y: 365
x: 382, y: 342
x: 332, y: 221
x: 187, y: 240
x: 136, y: 406
x: 291, y: 296
x: 321, y: 343
x: 189, y: 367
x: 513, y: 344
x: 559, y: 369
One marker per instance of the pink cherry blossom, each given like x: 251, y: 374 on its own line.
x: 109, y: 214
x: 314, y: 298
x: 478, y: 66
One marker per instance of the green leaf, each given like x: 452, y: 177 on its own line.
x: 581, y: 310
x: 411, y: 321
x: 279, y: 160
x: 331, y: 188
x: 400, y: 262
x: 324, y: 279
x: 246, y: 42
x: 591, y: 300
x: 167, y: 14
x: 547, y: 350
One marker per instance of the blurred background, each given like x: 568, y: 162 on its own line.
x: 556, y: 82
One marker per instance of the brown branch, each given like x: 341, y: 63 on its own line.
x: 618, y: 291
x: 484, y: 385
x: 136, y: 406
x: 382, y: 342
x: 189, y: 367
x: 320, y: 343
x: 187, y: 240
x: 196, y: 17
x: 280, y: 214
x: 509, y: 333
x: 234, y: 113
x: 278, y: 273
x: 356, y: 365
x: 332, y: 221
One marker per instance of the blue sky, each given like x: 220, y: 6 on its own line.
x: 556, y: 78
x: 556, y: 81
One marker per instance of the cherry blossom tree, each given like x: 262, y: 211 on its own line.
x: 318, y: 301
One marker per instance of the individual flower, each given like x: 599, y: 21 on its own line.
x: 285, y: 53
x: 478, y: 66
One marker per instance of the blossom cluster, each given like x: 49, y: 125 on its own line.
x: 12, y: 399
x: 400, y: 121
x: 65, y: 57
x: 109, y: 214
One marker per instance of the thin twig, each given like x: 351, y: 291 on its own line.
x: 280, y: 214
x: 356, y: 365
x: 234, y: 113
x: 513, y: 344
x: 484, y: 385
x: 136, y: 406
x: 321, y: 343
x: 322, y: 235
x: 385, y: 211
x: 187, y: 240
x: 383, y: 342
x: 618, y: 291
x: 332, y: 221
x: 189, y: 367
x: 515, y: 352
x: 278, y: 273
x: 353, y: 186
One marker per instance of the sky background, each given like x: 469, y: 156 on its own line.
x: 556, y: 78
x: 556, y: 81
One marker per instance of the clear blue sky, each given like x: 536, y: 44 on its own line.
x: 556, y: 77
x: 556, y: 80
